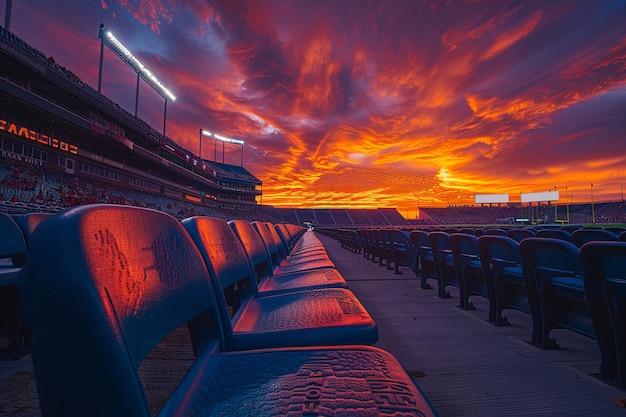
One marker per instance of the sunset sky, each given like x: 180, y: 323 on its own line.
x: 358, y: 103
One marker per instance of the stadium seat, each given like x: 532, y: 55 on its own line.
x: 584, y: 235
x: 502, y: 269
x: 519, y: 234
x: 12, y: 259
x: 604, y: 269
x: 561, y: 234
x: 269, y: 283
x: 555, y: 288
x: 330, y: 316
x: 28, y: 223
x: 101, y: 295
x: 399, y: 247
x: 423, y: 262
x: 282, y: 261
x: 444, y: 262
x: 468, y: 268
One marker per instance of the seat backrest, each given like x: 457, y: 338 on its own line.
x: 496, y: 232
x: 571, y: 227
x: 622, y: 236
x: 561, y: 234
x: 519, y: 234
x: 439, y: 241
x: 603, y: 265
x: 105, y: 284
x: 584, y: 235
x: 254, y: 247
x: 28, y: 223
x: 274, y: 245
x: 12, y: 242
x: 231, y: 273
x: 553, y: 256
x: 419, y: 238
x: 284, y: 235
x: 464, y: 244
x: 494, y: 248
x: 399, y: 237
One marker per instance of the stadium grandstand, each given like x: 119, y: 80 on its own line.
x: 65, y: 144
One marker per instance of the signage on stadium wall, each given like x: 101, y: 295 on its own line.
x: 32, y: 161
x: 192, y: 198
x: 38, y: 137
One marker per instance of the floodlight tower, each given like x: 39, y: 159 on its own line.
x: 7, y: 15
x: 593, y: 213
x: 107, y: 38
x: 222, y: 139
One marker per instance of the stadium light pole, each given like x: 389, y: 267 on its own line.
x: 107, y: 38
x: 555, y: 208
x: 7, y: 15
x: 593, y: 213
x: 566, y: 205
x: 224, y: 141
x: 200, y: 150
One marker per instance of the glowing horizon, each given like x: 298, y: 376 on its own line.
x: 374, y: 104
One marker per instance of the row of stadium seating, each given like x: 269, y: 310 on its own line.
x: 272, y: 324
x: 564, y: 278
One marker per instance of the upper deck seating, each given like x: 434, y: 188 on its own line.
x: 468, y: 268
x: 270, y: 283
x: 12, y: 260
x: 556, y: 293
x: 604, y: 266
x: 315, y: 317
x: 502, y: 269
x: 107, y: 283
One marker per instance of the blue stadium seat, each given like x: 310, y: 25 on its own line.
x: 468, y: 268
x: 554, y: 283
x: 584, y: 235
x: 519, y: 234
x: 107, y: 283
x: 444, y: 262
x: 12, y: 259
x: 330, y: 316
x: 280, y: 255
x: 552, y: 233
x: 502, y: 269
x: 423, y: 263
x: 270, y: 283
x: 604, y: 266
